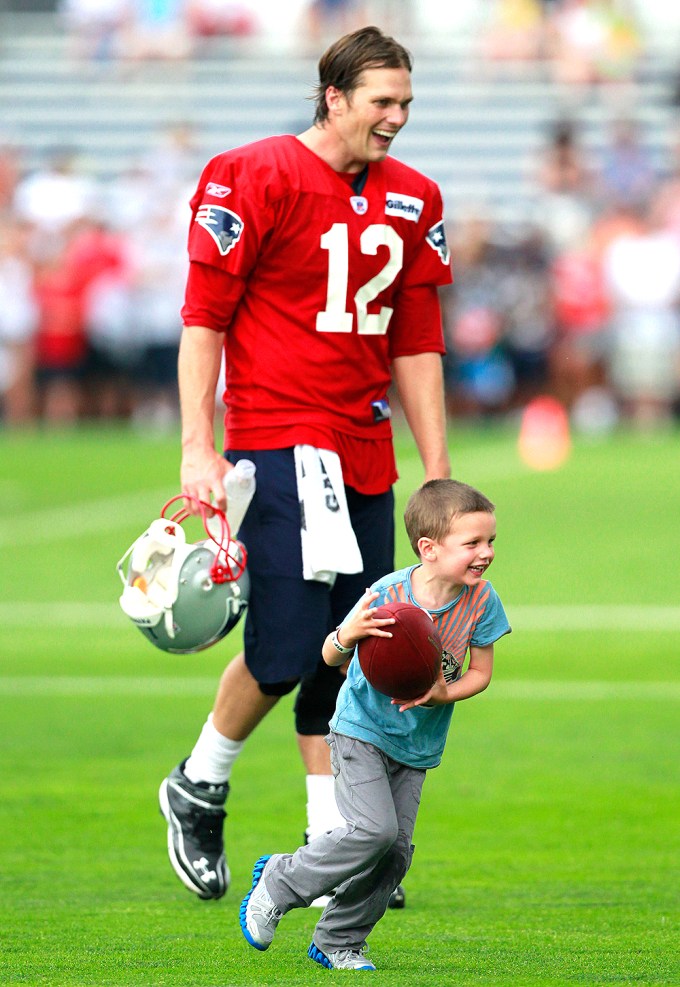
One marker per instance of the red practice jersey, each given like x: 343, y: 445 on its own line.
x: 318, y: 286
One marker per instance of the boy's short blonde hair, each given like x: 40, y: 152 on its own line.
x: 431, y: 509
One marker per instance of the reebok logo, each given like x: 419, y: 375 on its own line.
x: 219, y: 191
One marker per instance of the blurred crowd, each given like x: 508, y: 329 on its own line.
x: 91, y: 286
x: 580, y: 299
x: 579, y: 41
x: 125, y: 32
x: 116, y: 31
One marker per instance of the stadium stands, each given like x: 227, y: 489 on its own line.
x: 475, y: 128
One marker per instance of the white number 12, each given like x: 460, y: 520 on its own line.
x: 334, y: 318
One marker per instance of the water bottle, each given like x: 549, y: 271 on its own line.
x: 239, y: 486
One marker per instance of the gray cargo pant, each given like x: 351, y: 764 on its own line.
x: 362, y: 862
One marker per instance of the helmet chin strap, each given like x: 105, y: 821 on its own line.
x: 230, y: 562
x: 184, y: 595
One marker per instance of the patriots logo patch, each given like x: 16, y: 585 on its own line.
x: 224, y: 226
x: 436, y: 237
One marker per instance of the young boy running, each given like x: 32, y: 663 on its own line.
x: 382, y: 747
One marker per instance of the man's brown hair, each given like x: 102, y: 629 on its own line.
x: 342, y: 65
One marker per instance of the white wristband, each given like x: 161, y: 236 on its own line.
x: 340, y: 647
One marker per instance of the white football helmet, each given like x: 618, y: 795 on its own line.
x: 185, y: 596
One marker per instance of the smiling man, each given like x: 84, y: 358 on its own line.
x: 362, y: 104
x: 314, y: 267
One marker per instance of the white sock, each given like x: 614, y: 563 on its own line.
x: 322, y: 811
x: 213, y: 756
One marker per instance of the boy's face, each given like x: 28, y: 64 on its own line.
x: 467, y: 551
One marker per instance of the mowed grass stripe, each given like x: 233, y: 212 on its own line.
x: 30, y: 526
x: 122, y: 685
x: 83, y: 517
x: 567, y: 617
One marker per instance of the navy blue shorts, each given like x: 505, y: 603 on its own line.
x: 289, y: 617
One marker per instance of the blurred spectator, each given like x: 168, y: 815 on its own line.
x: 581, y: 311
x: 10, y: 176
x: 528, y: 324
x: 125, y: 199
x: 594, y: 41
x: 624, y: 44
x: 221, y: 18
x: 62, y: 282
x: 172, y: 160
x: 643, y: 275
x: 627, y: 175
x: 160, y: 269
x: 96, y: 27
x: 515, y: 31
x: 56, y: 196
x: 158, y: 29
x: 563, y: 165
x: 666, y: 195
x: 565, y: 188
x: 60, y: 340
x: 578, y: 312
x: 479, y: 377
x: 164, y: 174
x: 113, y: 350
x: 18, y: 324
x: 332, y: 17
x: 578, y: 37
x: 612, y: 222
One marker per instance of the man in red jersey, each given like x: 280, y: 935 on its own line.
x: 315, y: 263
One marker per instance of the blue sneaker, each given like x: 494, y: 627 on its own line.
x: 341, y: 959
x: 258, y: 915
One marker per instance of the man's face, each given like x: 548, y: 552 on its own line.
x: 366, y: 122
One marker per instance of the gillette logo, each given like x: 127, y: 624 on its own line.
x: 406, y: 206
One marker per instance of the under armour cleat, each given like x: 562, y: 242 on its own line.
x: 195, y: 815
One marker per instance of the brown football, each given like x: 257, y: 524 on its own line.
x: 405, y: 665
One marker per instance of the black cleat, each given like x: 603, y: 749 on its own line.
x: 195, y: 815
x: 397, y: 898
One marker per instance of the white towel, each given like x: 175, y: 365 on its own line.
x: 329, y: 545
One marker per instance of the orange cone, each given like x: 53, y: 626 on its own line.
x: 544, y: 441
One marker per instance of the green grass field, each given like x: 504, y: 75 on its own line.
x: 548, y: 841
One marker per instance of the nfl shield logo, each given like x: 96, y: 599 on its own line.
x: 359, y: 204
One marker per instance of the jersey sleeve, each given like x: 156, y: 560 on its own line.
x: 211, y: 297
x: 417, y: 321
x: 230, y: 214
x: 493, y: 623
x: 430, y: 260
